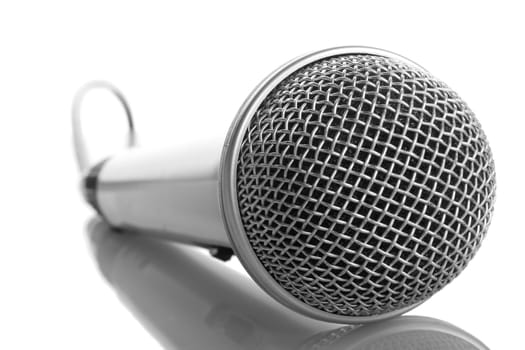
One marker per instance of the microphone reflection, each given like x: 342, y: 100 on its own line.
x: 189, y: 300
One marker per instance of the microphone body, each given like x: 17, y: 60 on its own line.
x: 172, y: 193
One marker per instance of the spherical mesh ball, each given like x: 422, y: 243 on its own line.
x: 364, y: 184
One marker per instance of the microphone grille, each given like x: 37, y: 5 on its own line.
x: 364, y: 184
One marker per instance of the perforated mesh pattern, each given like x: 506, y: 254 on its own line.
x: 364, y: 184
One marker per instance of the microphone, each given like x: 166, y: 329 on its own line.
x: 352, y: 186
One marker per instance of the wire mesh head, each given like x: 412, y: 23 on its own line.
x: 364, y: 185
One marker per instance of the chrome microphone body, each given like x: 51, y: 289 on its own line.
x: 172, y: 193
x: 352, y: 186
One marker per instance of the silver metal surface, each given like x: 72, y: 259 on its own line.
x: 355, y: 185
x: 170, y: 193
x: 187, y: 300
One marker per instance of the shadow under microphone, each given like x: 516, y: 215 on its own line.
x: 352, y: 186
x: 187, y: 300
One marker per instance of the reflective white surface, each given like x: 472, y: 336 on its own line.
x: 188, y: 300
x: 186, y: 67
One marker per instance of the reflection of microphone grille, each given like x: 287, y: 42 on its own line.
x: 419, y: 340
x: 347, y: 338
x: 364, y: 184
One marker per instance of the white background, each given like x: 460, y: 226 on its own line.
x: 186, y: 67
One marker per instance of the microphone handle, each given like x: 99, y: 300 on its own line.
x: 173, y: 194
